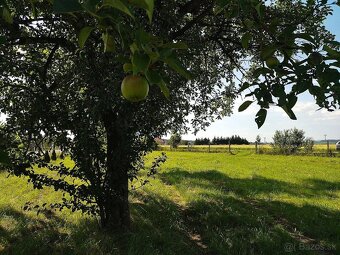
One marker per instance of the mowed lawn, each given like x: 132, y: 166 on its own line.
x: 199, y: 203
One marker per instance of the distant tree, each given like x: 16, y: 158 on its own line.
x: 258, y: 139
x: 288, y: 141
x: 202, y: 141
x: 175, y: 140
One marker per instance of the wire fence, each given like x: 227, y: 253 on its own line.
x: 318, y: 150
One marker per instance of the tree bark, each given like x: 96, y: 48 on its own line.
x: 115, y: 213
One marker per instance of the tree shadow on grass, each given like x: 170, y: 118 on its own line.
x: 157, y: 228
x: 239, y: 216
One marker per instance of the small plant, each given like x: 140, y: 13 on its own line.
x: 62, y: 156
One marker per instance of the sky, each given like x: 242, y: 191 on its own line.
x: 316, y: 124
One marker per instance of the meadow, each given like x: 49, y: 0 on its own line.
x: 199, y: 203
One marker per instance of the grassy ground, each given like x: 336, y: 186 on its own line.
x: 200, y: 203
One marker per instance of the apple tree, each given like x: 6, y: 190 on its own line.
x: 63, y: 63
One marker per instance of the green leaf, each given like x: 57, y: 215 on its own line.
x: 83, y: 35
x: 267, y: 52
x: 222, y: 3
x: 261, y: 117
x: 109, y: 44
x: 147, y: 5
x: 117, y: 4
x: 4, y: 159
x: 175, y: 64
x: 61, y: 6
x: 2, y: 39
x: 7, y: 16
x: 245, y: 40
x: 249, y: 23
x: 140, y: 62
x: 259, y: 9
x: 292, y: 99
x: 149, y: 10
x: 91, y: 5
x: 244, y: 87
x: 139, y: 3
x: 165, y: 53
x: 127, y: 67
x: 164, y: 88
x: 244, y: 106
x: 153, y: 76
x: 331, y: 52
x: 34, y: 10
x: 289, y: 112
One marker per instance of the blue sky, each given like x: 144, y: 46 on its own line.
x: 315, y: 123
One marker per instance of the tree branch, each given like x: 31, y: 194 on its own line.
x: 191, y: 23
x: 49, y: 61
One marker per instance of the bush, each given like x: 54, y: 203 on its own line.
x: 290, y: 140
x: 62, y: 156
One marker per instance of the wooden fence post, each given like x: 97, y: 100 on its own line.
x: 256, y: 151
x: 328, y: 151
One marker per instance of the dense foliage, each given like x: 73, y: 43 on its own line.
x: 63, y: 62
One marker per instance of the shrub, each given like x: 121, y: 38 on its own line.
x: 288, y: 141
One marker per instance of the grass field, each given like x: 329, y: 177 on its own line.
x: 200, y: 203
x: 265, y: 148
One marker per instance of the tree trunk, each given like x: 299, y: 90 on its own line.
x: 115, y: 213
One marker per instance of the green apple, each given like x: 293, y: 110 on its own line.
x: 272, y: 62
x: 135, y: 88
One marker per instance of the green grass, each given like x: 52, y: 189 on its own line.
x: 199, y: 203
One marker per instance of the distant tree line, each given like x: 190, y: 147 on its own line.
x: 234, y: 139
